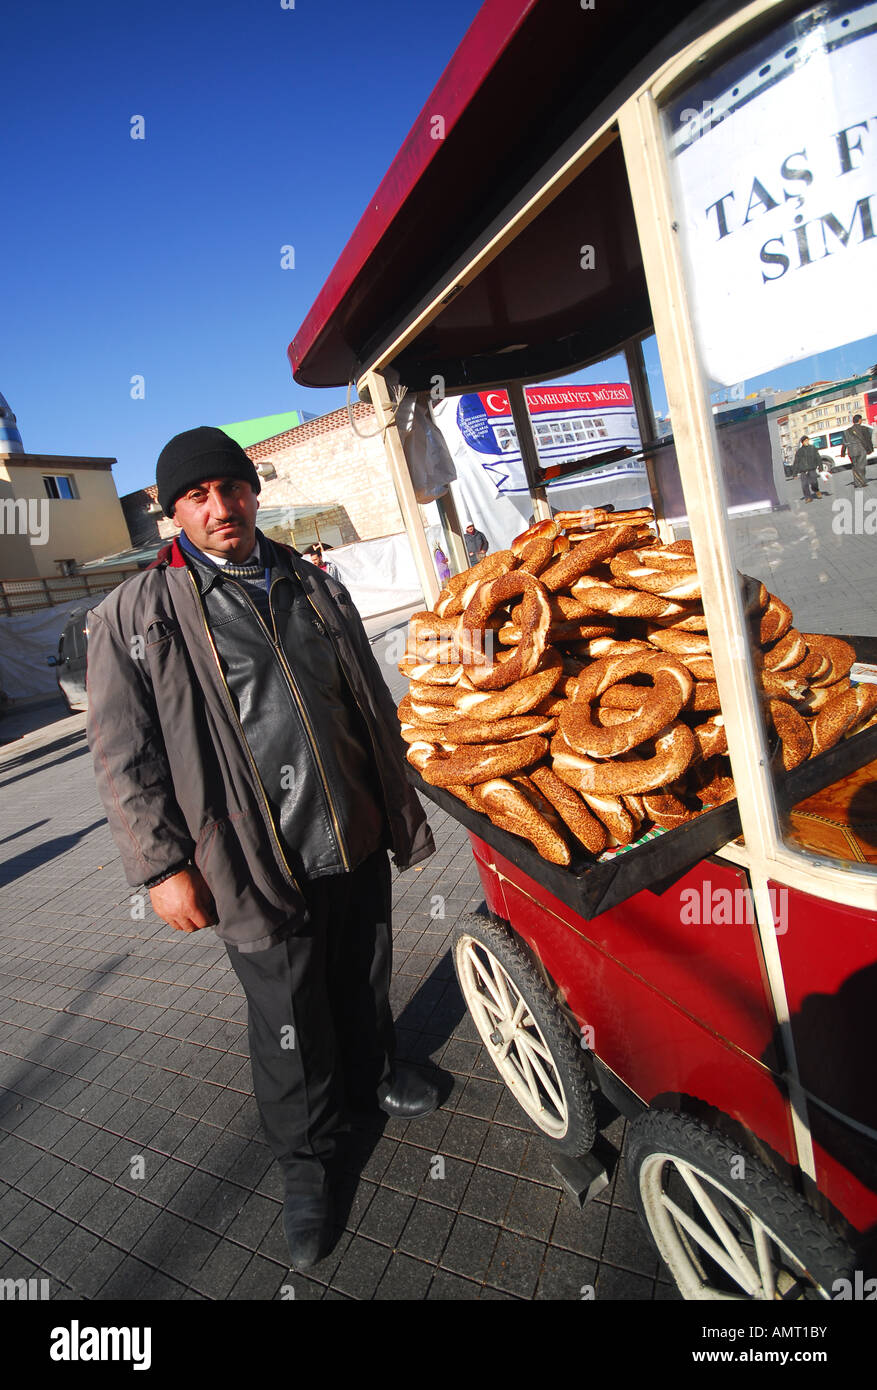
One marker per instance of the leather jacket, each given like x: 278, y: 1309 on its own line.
x: 308, y: 740
x: 176, y: 775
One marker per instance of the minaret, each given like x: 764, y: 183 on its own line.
x: 10, y: 439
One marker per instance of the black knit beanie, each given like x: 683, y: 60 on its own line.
x: 205, y: 452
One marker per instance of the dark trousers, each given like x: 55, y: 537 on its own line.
x: 858, y: 458
x: 809, y: 484
x: 320, y: 1027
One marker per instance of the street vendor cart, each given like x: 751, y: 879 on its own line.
x: 685, y: 197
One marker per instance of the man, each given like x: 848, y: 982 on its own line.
x: 314, y: 553
x: 476, y: 544
x: 857, y: 445
x: 807, y: 461
x: 248, y: 757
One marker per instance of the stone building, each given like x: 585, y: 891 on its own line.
x: 320, y: 480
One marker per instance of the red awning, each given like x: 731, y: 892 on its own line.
x: 525, y: 77
x: 320, y: 353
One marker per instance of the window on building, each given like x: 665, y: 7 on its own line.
x: 60, y: 485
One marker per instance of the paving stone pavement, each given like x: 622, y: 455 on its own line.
x: 131, y: 1162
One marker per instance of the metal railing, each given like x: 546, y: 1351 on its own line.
x: 25, y: 595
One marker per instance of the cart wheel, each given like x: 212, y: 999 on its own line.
x: 723, y: 1236
x: 529, y: 1040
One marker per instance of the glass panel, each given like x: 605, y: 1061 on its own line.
x: 773, y: 157
x: 587, y: 440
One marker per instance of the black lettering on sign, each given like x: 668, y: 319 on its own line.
x: 774, y: 258
x: 845, y: 146
x: 720, y: 214
x: 758, y: 195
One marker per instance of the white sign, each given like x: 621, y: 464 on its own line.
x: 776, y: 185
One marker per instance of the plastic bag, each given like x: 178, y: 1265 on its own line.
x: 429, y: 459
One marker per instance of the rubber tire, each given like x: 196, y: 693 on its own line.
x: 564, y: 1045
x: 824, y: 1253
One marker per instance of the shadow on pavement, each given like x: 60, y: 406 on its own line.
x: 34, y: 858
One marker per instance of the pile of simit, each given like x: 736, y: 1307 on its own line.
x: 597, y: 715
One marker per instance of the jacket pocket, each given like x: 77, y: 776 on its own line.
x: 250, y: 904
x: 159, y: 630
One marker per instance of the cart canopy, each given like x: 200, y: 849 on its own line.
x: 526, y: 82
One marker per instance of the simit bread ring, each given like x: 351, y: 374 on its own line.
x: 679, y: 643
x: 571, y: 808
x: 455, y: 595
x: 658, y: 570
x: 794, y: 731
x: 599, y: 546
x: 516, y: 699
x: 599, y: 596
x: 540, y: 530
x: 559, y: 632
x: 619, y: 819
x: 429, y: 672
x: 674, y: 751
x: 816, y: 700
x: 475, y: 762
x: 433, y: 694
x: 712, y: 737
x: 841, y: 715
x: 527, y: 655
x: 783, y: 685
x: 700, y: 666
x: 493, y: 730
x: 508, y: 807
x: 467, y: 795
x: 537, y: 555
x: 775, y: 621
x: 666, y: 809
x: 661, y: 704
x: 712, y: 782
x: 840, y: 653
x: 598, y: 516
x: 789, y: 651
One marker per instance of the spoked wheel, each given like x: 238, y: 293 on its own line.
x: 527, y: 1036
x: 726, y: 1227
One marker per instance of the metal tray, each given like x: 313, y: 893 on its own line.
x: 591, y: 886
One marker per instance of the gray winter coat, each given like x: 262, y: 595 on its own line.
x: 173, y: 770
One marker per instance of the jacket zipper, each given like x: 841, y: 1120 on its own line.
x: 362, y: 712
x: 279, y: 653
x: 268, y: 816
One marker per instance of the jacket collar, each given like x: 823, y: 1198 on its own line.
x: 287, y: 558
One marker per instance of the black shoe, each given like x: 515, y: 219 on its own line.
x: 409, y: 1094
x: 309, y: 1228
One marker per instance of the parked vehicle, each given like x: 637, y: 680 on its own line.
x: 71, y: 658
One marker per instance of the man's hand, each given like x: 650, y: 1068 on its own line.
x: 184, y: 901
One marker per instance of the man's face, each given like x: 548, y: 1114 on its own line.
x: 219, y: 516
x: 471, y: 529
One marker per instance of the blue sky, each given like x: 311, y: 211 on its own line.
x: 160, y: 257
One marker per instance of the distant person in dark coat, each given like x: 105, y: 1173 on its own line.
x: 476, y: 544
x: 807, y: 461
x: 857, y: 446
